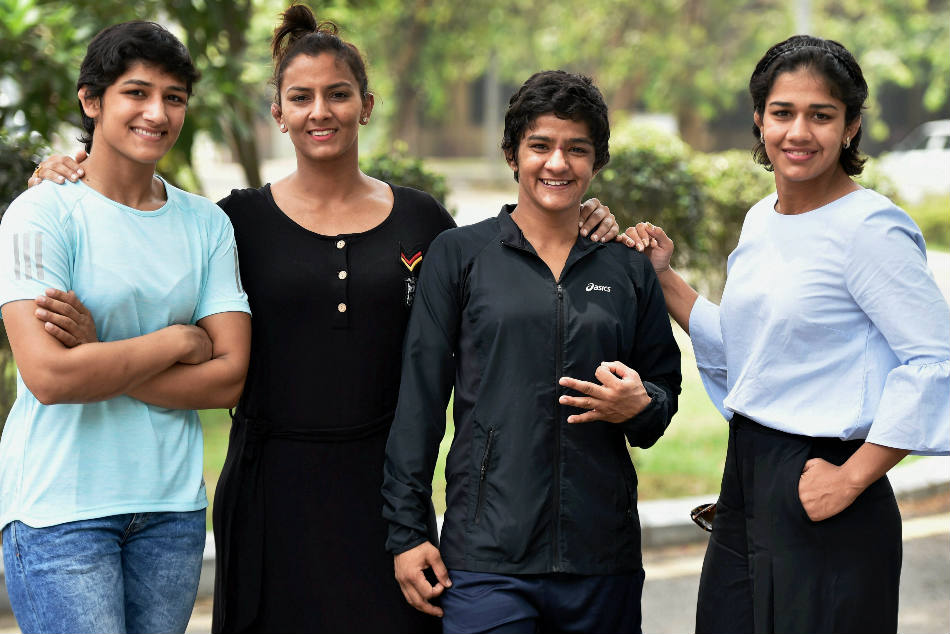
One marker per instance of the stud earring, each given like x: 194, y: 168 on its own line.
x: 847, y: 142
x: 761, y: 137
x: 283, y: 128
x: 363, y: 120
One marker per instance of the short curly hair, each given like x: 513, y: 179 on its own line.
x: 567, y: 95
x: 840, y: 71
x: 115, y: 48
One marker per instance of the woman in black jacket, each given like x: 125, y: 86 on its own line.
x: 541, y: 525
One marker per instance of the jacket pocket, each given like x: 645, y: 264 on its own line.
x: 482, y: 473
x: 630, y: 483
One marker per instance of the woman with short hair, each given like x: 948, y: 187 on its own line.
x: 102, y: 500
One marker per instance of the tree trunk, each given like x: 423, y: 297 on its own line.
x: 243, y: 143
x: 405, y: 123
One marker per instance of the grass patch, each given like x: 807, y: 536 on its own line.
x: 215, y: 426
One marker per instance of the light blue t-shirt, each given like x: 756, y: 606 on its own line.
x: 137, y: 272
x: 831, y: 325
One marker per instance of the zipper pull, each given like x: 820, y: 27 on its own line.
x: 560, y: 292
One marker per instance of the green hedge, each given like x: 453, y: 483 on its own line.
x: 398, y: 168
x: 650, y: 177
x: 930, y: 214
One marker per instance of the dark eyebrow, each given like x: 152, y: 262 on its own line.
x: 540, y: 137
x: 339, y: 84
x: 148, y: 84
x: 815, y: 106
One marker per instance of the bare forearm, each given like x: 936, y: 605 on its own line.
x: 870, y: 462
x: 103, y: 370
x: 214, y: 384
x: 679, y: 297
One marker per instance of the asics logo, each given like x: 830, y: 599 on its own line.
x: 597, y: 287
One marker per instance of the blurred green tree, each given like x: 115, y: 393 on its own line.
x: 691, y: 58
x: 44, y: 42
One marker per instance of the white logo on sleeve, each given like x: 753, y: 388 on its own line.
x: 597, y: 287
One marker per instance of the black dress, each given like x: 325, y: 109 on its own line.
x: 297, y: 517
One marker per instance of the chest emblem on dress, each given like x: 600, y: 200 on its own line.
x: 411, y: 261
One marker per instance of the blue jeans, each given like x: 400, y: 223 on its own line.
x: 123, y: 573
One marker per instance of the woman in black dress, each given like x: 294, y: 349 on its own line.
x: 329, y: 257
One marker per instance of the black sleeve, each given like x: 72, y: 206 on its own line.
x: 656, y: 357
x: 428, y: 372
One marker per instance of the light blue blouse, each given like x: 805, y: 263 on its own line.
x: 831, y: 325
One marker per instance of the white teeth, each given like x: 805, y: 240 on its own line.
x: 553, y: 183
x: 146, y: 132
x: 798, y: 153
x: 321, y: 133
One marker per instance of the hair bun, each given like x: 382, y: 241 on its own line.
x: 296, y: 22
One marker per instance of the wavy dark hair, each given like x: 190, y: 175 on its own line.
x: 299, y: 33
x: 567, y: 95
x: 115, y: 48
x: 835, y: 65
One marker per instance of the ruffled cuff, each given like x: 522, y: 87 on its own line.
x: 914, y: 412
x: 705, y: 333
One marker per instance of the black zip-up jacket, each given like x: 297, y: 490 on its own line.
x: 527, y: 492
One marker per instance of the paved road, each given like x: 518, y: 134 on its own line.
x: 669, y: 595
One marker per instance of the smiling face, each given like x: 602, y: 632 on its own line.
x: 555, y: 164
x: 140, y: 115
x: 321, y: 107
x: 803, y: 127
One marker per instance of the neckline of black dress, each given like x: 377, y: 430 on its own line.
x: 265, y: 190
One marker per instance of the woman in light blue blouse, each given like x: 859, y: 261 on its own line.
x: 829, y: 356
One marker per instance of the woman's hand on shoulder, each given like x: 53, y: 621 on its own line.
x: 596, y: 221
x: 58, y: 168
x: 652, y: 241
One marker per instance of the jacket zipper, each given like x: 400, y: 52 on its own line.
x: 483, y: 471
x: 559, y: 370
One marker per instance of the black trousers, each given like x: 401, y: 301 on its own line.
x: 768, y: 568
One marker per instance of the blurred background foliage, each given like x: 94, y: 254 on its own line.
x: 397, y: 167
x: 689, y: 58
x: 431, y: 59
